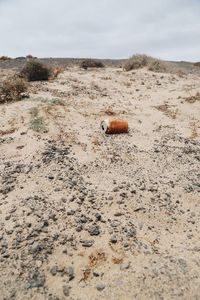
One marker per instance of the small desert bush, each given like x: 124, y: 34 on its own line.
x: 139, y: 61
x: 197, y: 64
x: 37, y: 122
x: 35, y: 71
x: 30, y: 56
x: 193, y: 99
x: 3, y: 58
x: 157, y: 66
x: 136, y: 62
x: 91, y: 63
x: 13, y: 89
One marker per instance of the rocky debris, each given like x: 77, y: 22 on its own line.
x: 36, y: 280
x: 72, y: 221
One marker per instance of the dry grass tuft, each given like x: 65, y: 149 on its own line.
x: 117, y: 260
x: 56, y: 71
x: 37, y: 122
x: 193, y: 99
x: 95, y: 259
x: 194, y: 133
x: 13, y: 89
x: 8, y: 131
x: 109, y: 112
x: 166, y: 109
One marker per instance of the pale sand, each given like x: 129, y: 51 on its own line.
x: 156, y: 165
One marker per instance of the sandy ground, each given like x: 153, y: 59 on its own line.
x: 84, y: 215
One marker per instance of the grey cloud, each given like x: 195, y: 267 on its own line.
x: 169, y: 29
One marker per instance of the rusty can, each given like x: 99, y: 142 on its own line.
x: 114, y: 126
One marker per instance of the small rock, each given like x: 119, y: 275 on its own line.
x: 118, y: 214
x: 79, y: 228
x: 100, y: 287
x: 64, y: 200
x: 113, y: 239
x: 7, y: 217
x: 86, y: 243
x: 66, y: 290
x: 96, y: 274
x: 70, y: 273
x: 125, y: 266
x: 98, y: 216
x: 37, y: 280
x: 94, y: 230
x: 54, y: 270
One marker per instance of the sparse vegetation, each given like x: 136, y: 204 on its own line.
x: 49, y: 104
x: 139, y: 61
x: 194, y: 133
x: 168, y: 111
x: 57, y: 71
x: 136, y: 62
x: 35, y: 71
x: 91, y: 63
x: 157, y: 66
x: 29, y: 56
x: 197, y: 64
x: 109, y: 111
x: 37, y: 123
x: 13, y: 89
x: 193, y: 99
x: 56, y: 101
x: 4, y: 58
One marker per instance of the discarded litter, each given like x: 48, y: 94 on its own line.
x: 114, y: 126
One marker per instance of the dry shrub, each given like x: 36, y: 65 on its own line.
x: 109, y: 112
x: 35, y: 71
x: 13, y: 89
x: 180, y: 73
x: 95, y: 259
x: 7, y: 131
x: 139, y: 61
x: 157, y: 66
x: 91, y: 63
x: 136, y: 62
x: 29, y: 56
x: 193, y: 99
x: 56, y: 71
x: 3, y: 58
x: 194, y: 133
x: 197, y: 64
x: 117, y: 260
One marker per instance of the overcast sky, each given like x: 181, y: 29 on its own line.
x: 168, y: 29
